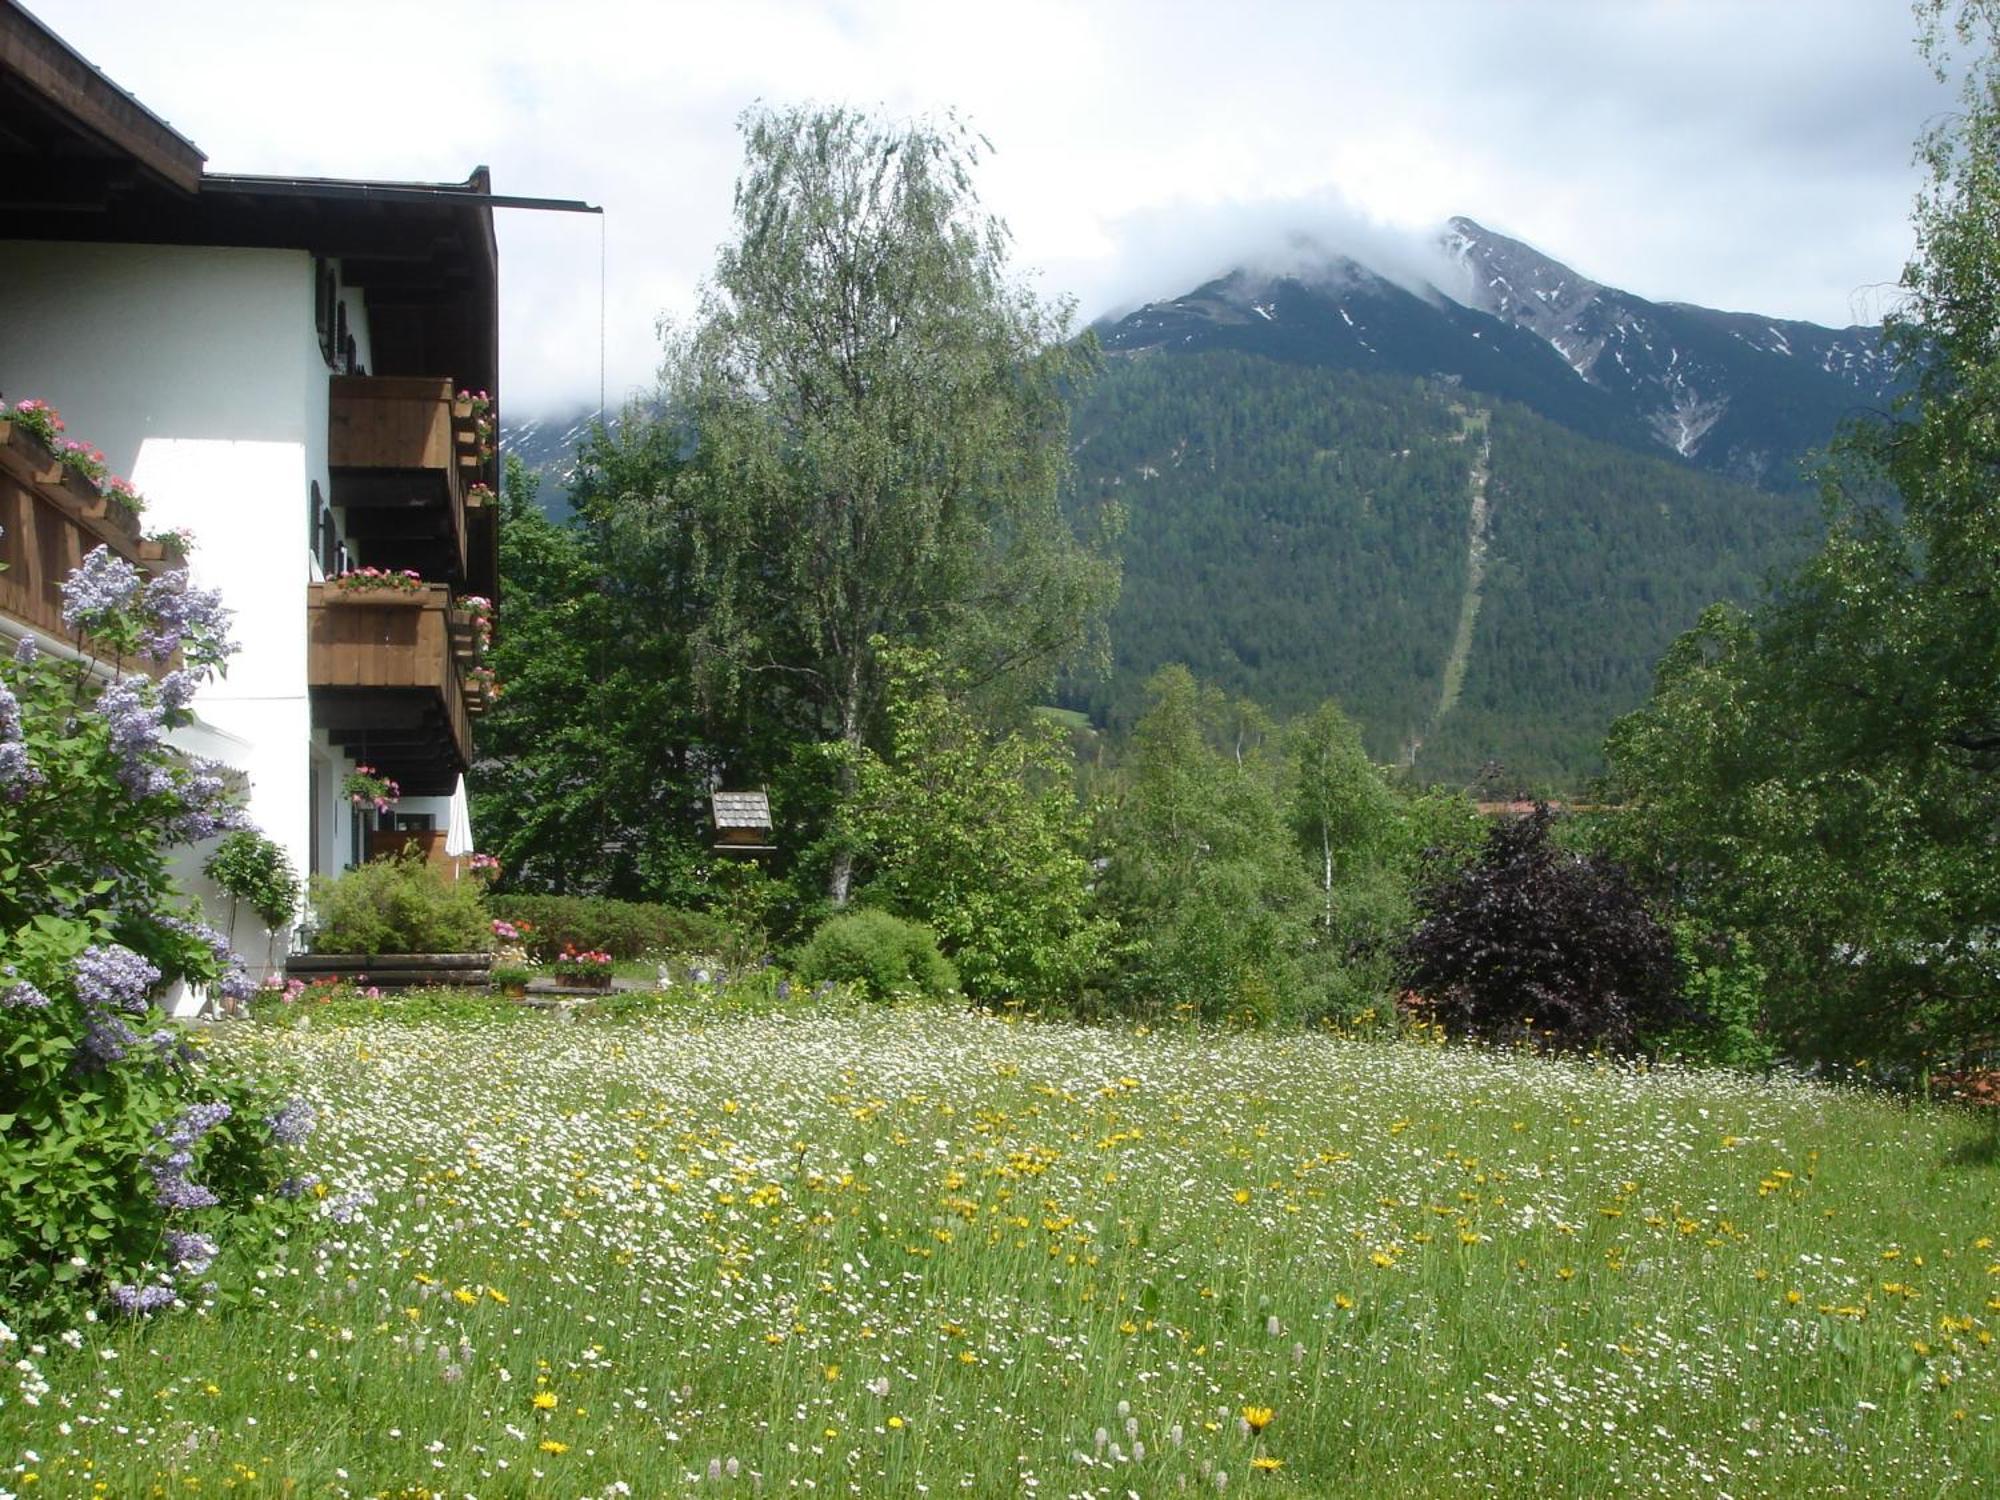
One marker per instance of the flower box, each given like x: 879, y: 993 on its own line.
x: 119, y: 514
x: 162, y: 552
x: 373, y: 599
x: 582, y: 970
x: 90, y: 500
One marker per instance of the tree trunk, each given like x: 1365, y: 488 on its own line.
x: 1326, y: 850
x: 840, y: 878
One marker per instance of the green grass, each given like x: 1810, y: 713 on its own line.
x: 880, y: 1249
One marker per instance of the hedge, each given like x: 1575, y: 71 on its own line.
x: 624, y: 929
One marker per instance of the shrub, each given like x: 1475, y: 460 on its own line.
x: 884, y: 955
x: 131, y: 1171
x: 249, y: 867
x: 624, y: 929
x: 400, y: 905
x: 1724, y: 986
x: 1213, y: 904
x: 1531, y: 942
x: 979, y: 835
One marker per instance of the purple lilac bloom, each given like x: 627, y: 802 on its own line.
x: 171, y: 1187
x: 187, y: 619
x: 177, y: 690
x: 27, y: 652
x: 138, y: 726
x: 140, y: 1300
x: 22, y: 995
x: 103, y: 586
x: 292, y: 1124
x: 171, y: 1190
x: 206, y: 805
x: 106, y: 1039
x: 216, y: 943
x: 110, y: 976
x: 196, y: 1121
x: 17, y: 772
x: 190, y: 1253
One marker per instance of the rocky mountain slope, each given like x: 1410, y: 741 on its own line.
x: 1734, y: 393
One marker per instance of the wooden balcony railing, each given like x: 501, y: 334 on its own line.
x: 385, y: 684
x: 401, y: 459
x: 50, y: 518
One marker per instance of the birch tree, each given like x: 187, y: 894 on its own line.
x: 879, y: 422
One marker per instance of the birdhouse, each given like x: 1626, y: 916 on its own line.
x: 742, y: 824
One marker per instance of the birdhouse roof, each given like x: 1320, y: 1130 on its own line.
x: 740, y: 809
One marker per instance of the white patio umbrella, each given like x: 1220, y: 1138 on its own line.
x: 458, y: 832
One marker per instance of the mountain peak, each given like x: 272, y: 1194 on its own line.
x: 1517, y: 283
x: 1735, y: 392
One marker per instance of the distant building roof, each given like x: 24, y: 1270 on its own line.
x: 741, y: 809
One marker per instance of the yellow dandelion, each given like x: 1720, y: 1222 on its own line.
x: 550, y: 1445
x: 465, y: 1296
x: 545, y: 1400
x: 1263, y: 1463
x: 1344, y: 1302
x: 895, y: 1424
x: 497, y: 1295
x: 832, y: 1373
x: 1257, y: 1418
x: 1241, y: 1195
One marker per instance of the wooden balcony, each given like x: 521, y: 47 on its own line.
x: 385, y: 685
x: 401, y: 458
x: 51, y: 517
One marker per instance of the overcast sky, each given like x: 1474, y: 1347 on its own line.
x: 1739, y: 154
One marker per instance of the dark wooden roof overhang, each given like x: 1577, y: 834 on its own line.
x: 71, y: 138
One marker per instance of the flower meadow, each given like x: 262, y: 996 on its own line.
x: 901, y: 1251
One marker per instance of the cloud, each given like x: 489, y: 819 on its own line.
x: 1166, y: 249
x: 1742, y: 156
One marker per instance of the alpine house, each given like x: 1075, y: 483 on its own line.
x: 302, y: 375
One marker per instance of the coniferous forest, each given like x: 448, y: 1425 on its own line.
x: 1294, y: 534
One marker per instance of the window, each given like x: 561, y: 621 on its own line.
x: 325, y: 535
x: 326, y: 301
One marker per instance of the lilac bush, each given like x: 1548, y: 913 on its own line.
x: 133, y: 1175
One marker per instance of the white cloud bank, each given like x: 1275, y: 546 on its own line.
x: 1742, y: 156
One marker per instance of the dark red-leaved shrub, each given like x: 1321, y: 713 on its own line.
x: 1534, y: 943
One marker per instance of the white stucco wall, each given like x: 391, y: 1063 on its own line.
x: 198, y: 372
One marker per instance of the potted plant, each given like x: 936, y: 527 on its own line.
x: 511, y: 980
x: 478, y: 406
x: 39, y: 420
x: 375, y: 583
x: 583, y: 968
x: 167, y: 549
x: 364, y: 786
